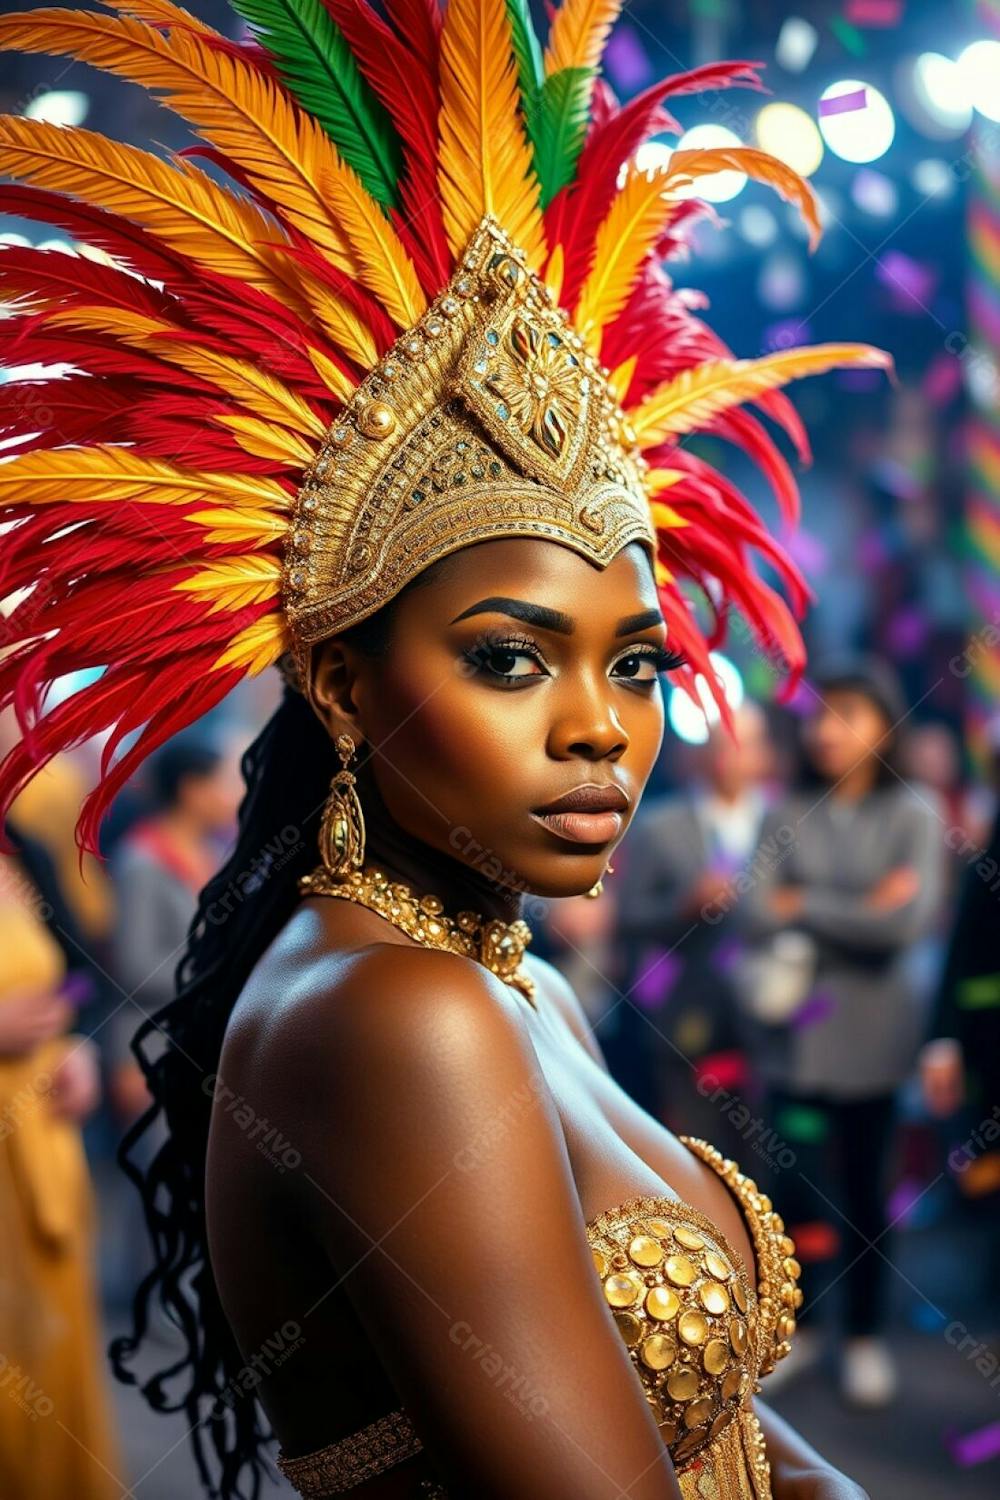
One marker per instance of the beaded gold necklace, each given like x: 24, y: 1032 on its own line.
x: 497, y: 944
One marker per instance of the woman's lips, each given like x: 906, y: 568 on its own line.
x: 581, y: 827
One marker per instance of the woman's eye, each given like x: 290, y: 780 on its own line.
x: 511, y: 662
x: 646, y: 666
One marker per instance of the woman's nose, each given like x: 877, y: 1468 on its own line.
x: 588, y: 726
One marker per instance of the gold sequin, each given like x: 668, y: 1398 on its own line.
x: 716, y: 1356
x: 600, y: 1262
x: 731, y: 1385
x: 740, y: 1296
x: 693, y: 1327
x: 698, y: 1412
x: 629, y: 1326
x: 716, y: 1266
x: 786, y: 1326
x: 722, y: 1420
x: 658, y: 1351
x: 682, y: 1385
x: 738, y: 1335
x: 680, y: 1270
x: 792, y: 1267
x: 660, y: 1228
x: 645, y: 1251
x: 662, y: 1303
x: 622, y: 1291
x: 688, y: 1238
x: 713, y: 1297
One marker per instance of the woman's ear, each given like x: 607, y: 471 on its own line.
x: 333, y: 681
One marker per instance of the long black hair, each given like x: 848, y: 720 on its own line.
x: 287, y: 771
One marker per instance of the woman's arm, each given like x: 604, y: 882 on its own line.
x: 798, y: 1472
x: 437, y: 1175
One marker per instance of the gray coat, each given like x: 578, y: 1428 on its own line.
x: 862, y: 1031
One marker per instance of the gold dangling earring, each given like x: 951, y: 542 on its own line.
x: 342, y: 829
x: 598, y: 889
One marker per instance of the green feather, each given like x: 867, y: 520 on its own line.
x: 563, y: 112
x: 527, y: 49
x: 312, y: 55
x: 530, y: 69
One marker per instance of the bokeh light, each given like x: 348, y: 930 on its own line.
x: 861, y: 127
x: 788, y: 133
x: 686, y: 718
x: 719, y: 187
x: 979, y: 65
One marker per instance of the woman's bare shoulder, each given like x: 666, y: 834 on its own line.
x: 375, y: 1007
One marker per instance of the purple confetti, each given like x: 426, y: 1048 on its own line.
x: 658, y: 974
x: 907, y: 633
x: 727, y: 955
x: 843, y: 104
x: 627, y: 60
x: 786, y: 334
x: 910, y: 283
x: 816, y: 1008
x: 975, y: 1447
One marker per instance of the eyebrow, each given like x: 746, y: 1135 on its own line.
x: 545, y: 618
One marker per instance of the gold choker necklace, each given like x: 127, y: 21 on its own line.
x: 497, y: 944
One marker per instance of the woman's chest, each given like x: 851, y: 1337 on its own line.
x: 617, y: 1150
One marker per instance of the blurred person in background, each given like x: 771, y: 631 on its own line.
x: 56, y: 1436
x: 675, y: 899
x: 159, y: 868
x: 960, y: 1065
x: 848, y: 877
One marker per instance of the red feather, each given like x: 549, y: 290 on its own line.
x: 609, y: 146
x: 74, y: 281
x: 419, y: 25
x: 67, y: 409
x: 103, y: 230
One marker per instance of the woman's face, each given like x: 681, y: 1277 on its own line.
x: 846, y: 729
x: 521, y: 674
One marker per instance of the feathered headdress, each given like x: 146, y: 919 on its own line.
x: 428, y: 306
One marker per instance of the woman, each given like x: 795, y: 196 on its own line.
x: 859, y: 876
x: 367, y: 439
x: 56, y: 1431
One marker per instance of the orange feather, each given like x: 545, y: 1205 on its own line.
x: 111, y: 474
x: 634, y: 223
x: 579, y: 31
x: 694, y: 398
x: 484, y: 163
x: 761, y: 166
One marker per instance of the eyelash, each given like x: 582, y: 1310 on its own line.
x: 521, y: 645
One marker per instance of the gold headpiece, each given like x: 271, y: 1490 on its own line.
x: 487, y: 418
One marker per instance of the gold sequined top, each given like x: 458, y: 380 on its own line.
x: 699, y: 1334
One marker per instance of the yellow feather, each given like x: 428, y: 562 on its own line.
x: 579, y: 31
x: 336, y: 382
x: 265, y: 440
x: 234, y: 582
x: 383, y: 265
x: 284, y: 151
x: 260, y: 528
x: 257, y: 646
x: 263, y: 394
x: 160, y: 13
x: 484, y: 164
x: 655, y: 481
x: 692, y: 399
x: 761, y: 166
x: 340, y: 322
x: 662, y: 573
x: 637, y: 217
x: 555, y: 271
x: 665, y: 517
x: 107, y: 473
x: 177, y: 203
x: 621, y: 376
